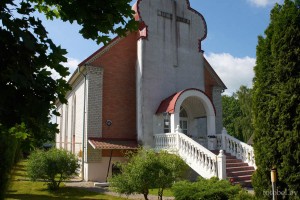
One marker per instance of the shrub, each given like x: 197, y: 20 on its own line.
x: 52, y: 166
x: 146, y: 170
x: 244, y: 195
x: 208, y: 189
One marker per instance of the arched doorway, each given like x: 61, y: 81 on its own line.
x: 192, y: 111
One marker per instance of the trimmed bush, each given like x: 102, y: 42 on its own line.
x: 53, y: 166
x: 147, y: 169
x: 208, y: 189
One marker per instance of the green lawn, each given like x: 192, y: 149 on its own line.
x: 21, y: 188
x: 167, y: 192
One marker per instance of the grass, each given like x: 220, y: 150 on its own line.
x: 22, y: 188
x: 167, y: 192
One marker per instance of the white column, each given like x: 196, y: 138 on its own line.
x: 211, y: 125
x: 174, y: 119
x: 221, y: 159
x: 211, y: 131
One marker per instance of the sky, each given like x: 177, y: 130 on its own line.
x: 233, y: 27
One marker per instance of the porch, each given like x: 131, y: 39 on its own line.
x: 202, y: 160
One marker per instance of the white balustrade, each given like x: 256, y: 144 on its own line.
x: 200, y: 159
x: 237, y: 148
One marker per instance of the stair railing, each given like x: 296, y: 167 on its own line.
x: 236, y: 148
x: 200, y: 159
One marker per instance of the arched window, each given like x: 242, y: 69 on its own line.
x: 61, y: 126
x: 183, y: 120
x: 66, y: 127
x: 73, y: 123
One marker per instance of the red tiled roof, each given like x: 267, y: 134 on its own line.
x: 168, y: 105
x: 106, y: 143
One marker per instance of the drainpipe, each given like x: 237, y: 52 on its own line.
x: 83, y: 124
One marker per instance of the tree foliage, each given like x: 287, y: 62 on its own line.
x: 10, y: 141
x: 276, y: 101
x: 52, y: 166
x: 28, y: 55
x: 147, y: 170
x: 237, y: 113
x: 210, y: 189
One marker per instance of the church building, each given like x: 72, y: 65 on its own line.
x: 153, y: 81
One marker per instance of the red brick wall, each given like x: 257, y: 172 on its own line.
x: 209, y: 83
x: 119, y: 89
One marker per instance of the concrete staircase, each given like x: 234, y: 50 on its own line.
x: 237, y: 171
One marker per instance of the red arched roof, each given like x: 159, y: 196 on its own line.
x: 168, y: 105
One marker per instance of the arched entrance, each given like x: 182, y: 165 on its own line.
x: 192, y: 111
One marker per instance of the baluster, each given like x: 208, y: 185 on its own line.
x: 205, y: 161
x: 214, y: 167
x: 209, y: 163
x: 200, y: 158
x: 238, y: 149
x: 158, y: 142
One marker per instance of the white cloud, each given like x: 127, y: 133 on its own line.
x: 71, y: 64
x: 264, y: 3
x: 233, y: 71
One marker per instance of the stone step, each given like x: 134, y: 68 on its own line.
x: 240, y: 164
x: 237, y: 171
x: 240, y: 178
x: 233, y: 161
x: 244, y: 168
x: 240, y: 173
x: 229, y: 157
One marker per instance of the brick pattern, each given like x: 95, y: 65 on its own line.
x: 94, y: 101
x: 119, y: 89
x: 93, y: 155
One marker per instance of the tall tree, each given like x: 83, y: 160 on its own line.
x: 244, y: 122
x: 237, y: 113
x: 231, y: 111
x: 277, y: 101
x: 27, y: 56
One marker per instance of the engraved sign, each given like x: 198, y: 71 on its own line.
x: 164, y: 14
x: 184, y: 20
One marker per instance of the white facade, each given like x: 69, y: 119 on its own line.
x: 169, y: 61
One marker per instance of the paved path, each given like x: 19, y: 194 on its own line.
x: 104, y: 190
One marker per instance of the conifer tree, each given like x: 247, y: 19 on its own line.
x: 276, y: 102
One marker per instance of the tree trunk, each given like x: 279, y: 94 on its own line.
x: 160, y: 193
x: 146, y: 192
x: 146, y: 196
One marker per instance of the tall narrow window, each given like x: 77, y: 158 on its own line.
x: 73, y: 123
x: 166, y: 122
x: 166, y: 126
x: 66, y: 128
x: 183, y: 120
x: 61, y: 126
